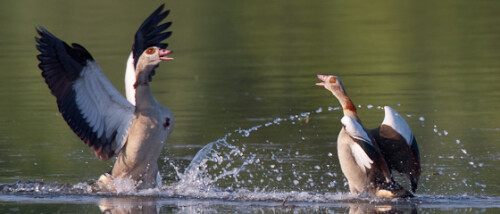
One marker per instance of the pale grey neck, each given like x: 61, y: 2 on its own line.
x: 144, y: 97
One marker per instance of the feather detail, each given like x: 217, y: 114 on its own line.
x: 398, y: 123
x: 89, y: 103
x: 355, y: 130
x: 361, y: 158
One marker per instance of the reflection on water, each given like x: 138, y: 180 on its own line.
x: 128, y: 205
x: 242, y: 90
x: 356, y: 208
x: 135, y: 204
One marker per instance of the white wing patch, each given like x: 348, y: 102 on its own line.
x: 130, y: 79
x: 102, y: 106
x: 362, y: 159
x: 355, y: 130
x: 398, y: 123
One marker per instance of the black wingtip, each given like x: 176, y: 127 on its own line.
x: 39, y: 29
x: 414, y: 183
x: 160, y: 8
x: 151, y: 32
x: 42, y: 32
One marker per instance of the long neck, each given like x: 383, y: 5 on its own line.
x: 347, y: 105
x: 130, y: 79
x: 144, y: 97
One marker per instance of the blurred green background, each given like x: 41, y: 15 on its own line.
x: 239, y: 64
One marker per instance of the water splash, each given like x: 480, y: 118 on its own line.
x: 230, y: 168
x: 280, y: 172
x: 231, y: 165
x: 207, y: 167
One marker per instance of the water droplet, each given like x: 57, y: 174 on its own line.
x: 481, y: 185
x: 457, y: 141
x: 295, y: 182
x: 319, y: 110
x: 421, y: 119
x: 333, y: 108
x: 369, y: 106
x: 330, y: 154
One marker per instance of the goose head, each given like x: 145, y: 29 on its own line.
x: 333, y: 84
x: 148, y: 61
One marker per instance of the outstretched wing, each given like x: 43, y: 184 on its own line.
x: 150, y: 33
x: 398, y: 145
x: 89, y: 103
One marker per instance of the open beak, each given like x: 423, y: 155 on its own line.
x: 163, y: 54
x: 323, y: 78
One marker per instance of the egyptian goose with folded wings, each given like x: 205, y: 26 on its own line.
x: 133, y: 128
x: 367, y: 157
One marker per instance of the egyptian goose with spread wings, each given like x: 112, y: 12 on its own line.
x: 133, y: 128
x: 367, y: 156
